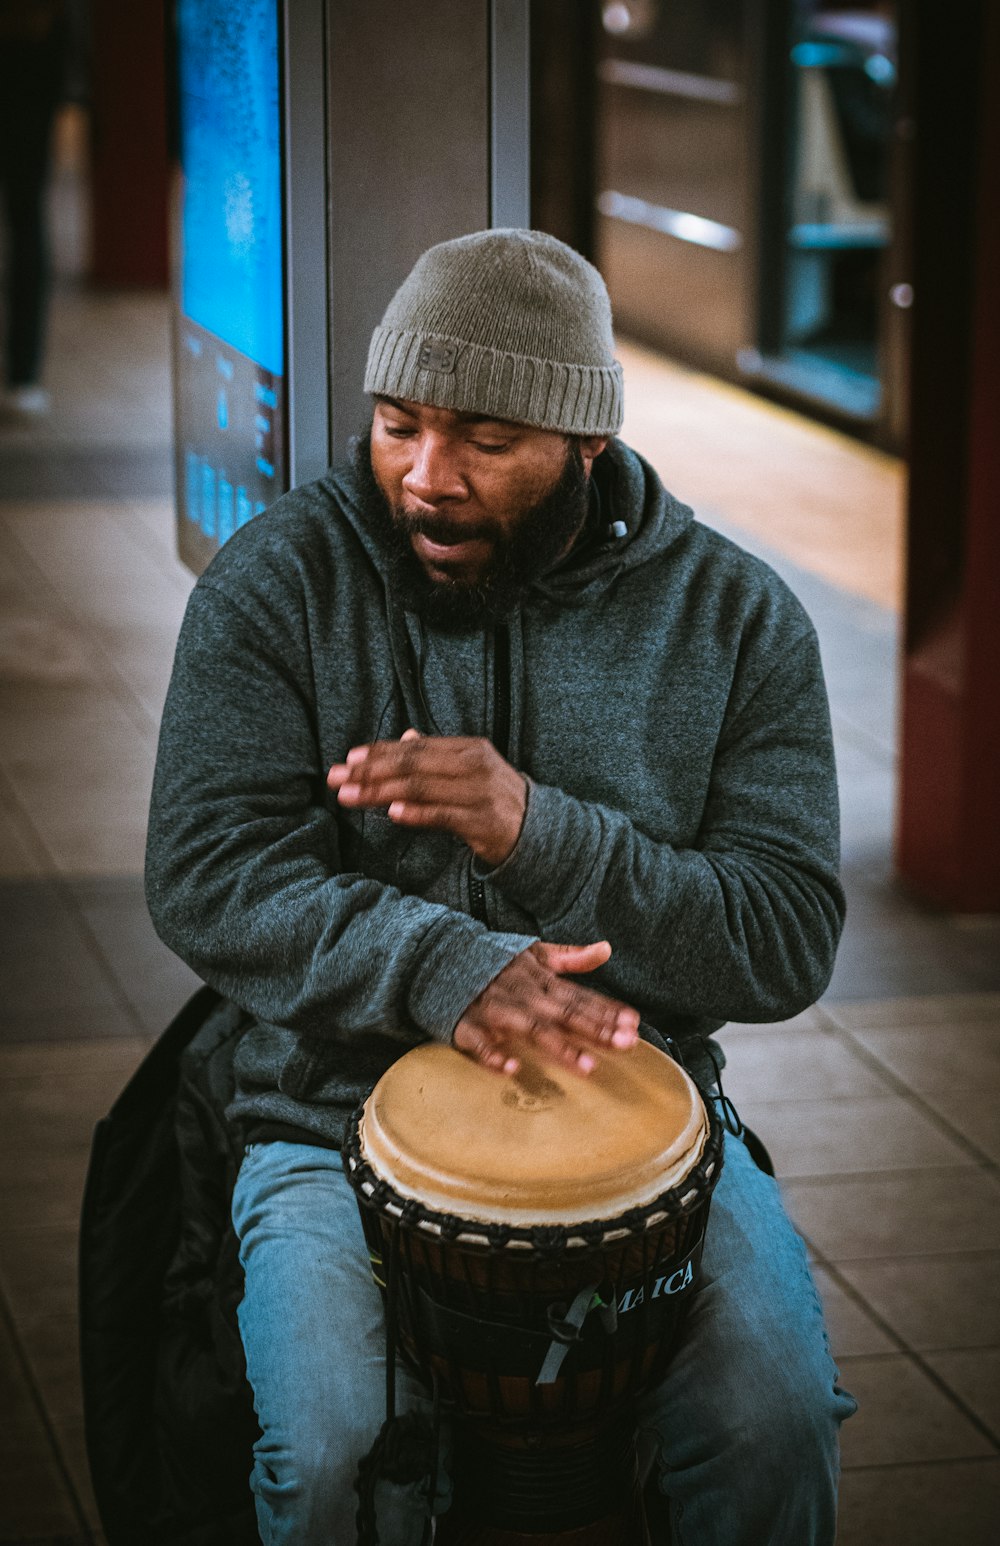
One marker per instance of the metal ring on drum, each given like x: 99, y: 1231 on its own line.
x: 538, y: 1237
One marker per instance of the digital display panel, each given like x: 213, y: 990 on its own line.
x: 229, y: 325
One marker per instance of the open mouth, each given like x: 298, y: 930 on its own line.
x: 461, y: 551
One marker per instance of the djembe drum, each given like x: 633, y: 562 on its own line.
x: 537, y: 1239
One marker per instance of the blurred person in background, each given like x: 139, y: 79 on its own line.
x: 40, y: 68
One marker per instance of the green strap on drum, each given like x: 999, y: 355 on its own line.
x: 567, y: 1327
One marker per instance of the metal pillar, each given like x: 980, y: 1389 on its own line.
x: 427, y: 139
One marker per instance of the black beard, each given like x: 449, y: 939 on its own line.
x: 543, y: 533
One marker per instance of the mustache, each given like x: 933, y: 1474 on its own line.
x: 542, y: 533
x: 438, y: 528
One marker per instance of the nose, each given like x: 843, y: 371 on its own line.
x: 433, y: 476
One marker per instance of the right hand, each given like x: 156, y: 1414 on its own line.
x: 528, y: 1007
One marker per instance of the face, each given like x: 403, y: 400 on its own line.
x: 480, y: 507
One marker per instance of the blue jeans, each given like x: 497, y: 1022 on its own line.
x: 743, y: 1431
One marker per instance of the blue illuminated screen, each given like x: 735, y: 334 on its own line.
x: 231, y: 265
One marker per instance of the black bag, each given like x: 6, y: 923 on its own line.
x: 168, y: 1412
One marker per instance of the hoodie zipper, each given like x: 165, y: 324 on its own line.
x: 501, y: 689
x: 477, y: 897
x: 500, y: 738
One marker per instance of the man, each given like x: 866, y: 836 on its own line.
x: 482, y: 711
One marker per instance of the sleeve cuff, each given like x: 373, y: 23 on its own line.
x: 458, y: 960
x: 553, y: 857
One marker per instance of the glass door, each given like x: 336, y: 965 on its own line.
x: 824, y: 293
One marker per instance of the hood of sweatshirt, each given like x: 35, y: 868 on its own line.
x: 633, y: 519
x: 625, y: 489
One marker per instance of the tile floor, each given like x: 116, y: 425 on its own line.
x: 879, y: 1104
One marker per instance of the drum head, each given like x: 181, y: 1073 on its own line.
x: 544, y: 1146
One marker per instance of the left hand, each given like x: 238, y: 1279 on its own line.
x: 457, y: 784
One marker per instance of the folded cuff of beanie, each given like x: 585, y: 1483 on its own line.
x: 469, y: 378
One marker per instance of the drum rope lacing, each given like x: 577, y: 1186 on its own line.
x: 406, y: 1447
x: 546, y: 1239
x: 730, y: 1115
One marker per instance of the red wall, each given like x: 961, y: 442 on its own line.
x: 948, y: 845
x: 129, y: 144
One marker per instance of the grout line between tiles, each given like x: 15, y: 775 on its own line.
x: 121, y: 993
x: 985, y: 1255
x: 54, y: 881
x: 142, y: 540
x: 871, y: 1173
x: 935, y: 1352
x: 903, y: 1346
x: 34, y: 840
x: 943, y: 1125
x: 106, y: 668
x: 28, y: 1373
x: 938, y: 1462
x: 902, y: 1173
x: 973, y: 1003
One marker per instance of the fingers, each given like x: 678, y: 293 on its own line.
x: 458, y: 784
x: 498, y: 1039
x: 453, y: 756
x: 573, y: 958
x: 484, y: 1048
x: 421, y: 789
x: 415, y: 769
x: 587, y: 1013
x: 527, y: 1005
x: 494, y: 1044
x: 446, y: 818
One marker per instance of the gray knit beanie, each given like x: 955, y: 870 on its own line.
x: 513, y: 324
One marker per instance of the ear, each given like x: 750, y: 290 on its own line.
x: 591, y: 447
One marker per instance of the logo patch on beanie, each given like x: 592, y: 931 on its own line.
x: 437, y: 355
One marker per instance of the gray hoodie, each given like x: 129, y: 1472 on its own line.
x: 664, y: 695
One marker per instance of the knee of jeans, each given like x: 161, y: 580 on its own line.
x: 319, y: 1490
x: 317, y: 1460
x: 787, y: 1420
